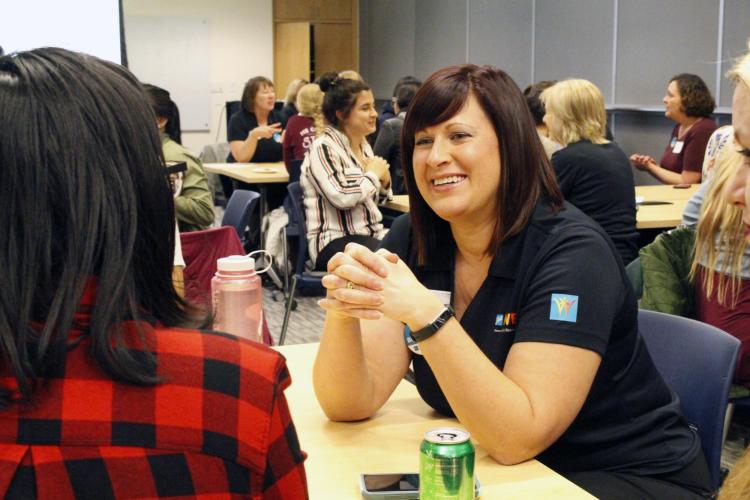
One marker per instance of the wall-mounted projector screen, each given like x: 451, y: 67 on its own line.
x: 90, y: 26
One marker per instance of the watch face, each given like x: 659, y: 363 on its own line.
x: 410, y: 342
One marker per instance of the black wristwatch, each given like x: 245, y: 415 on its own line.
x: 432, y: 328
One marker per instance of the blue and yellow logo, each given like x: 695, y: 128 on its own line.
x: 563, y: 307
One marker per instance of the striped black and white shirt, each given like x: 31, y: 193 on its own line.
x: 340, y: 197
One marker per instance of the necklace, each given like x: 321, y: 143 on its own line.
x: 682, y: 131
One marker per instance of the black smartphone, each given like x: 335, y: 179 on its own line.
x: 397, y: 486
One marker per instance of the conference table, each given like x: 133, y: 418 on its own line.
x: 261, y: 174
x: 338, y: 452
x: 648, y: 216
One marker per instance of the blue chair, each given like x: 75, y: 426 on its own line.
x: 239, y: 213
x: 301, y: 278
x: 696, y: 361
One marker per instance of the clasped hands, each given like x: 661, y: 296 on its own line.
x: 370, y: 285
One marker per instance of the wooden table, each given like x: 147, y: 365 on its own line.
x: 647, y: 216
x: 253, y: 173
x: 389, y: 442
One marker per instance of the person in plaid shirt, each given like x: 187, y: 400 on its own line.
x: 105, y: 391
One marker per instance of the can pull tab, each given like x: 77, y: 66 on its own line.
x: 267, y: 256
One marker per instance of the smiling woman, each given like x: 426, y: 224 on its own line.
x: 520, y: 320
x: 343, y: 181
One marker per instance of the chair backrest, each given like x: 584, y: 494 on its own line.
x: 295, y: 167
x: 696, y: 361
x: 296, y: 197
x: 201, y: 249
x: 232, y: 107
x: 241, y: 208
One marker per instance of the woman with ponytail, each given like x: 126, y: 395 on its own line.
x: 194, y: 206
x: 343, y: 181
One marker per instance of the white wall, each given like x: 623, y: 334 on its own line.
x: 241, y: 46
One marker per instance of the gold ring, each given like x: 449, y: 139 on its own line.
x: 350, y: 285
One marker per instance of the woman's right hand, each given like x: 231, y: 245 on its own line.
x: 355, y: 282
x: 265, y: 131
x: 379, y: 166
x: 641, y: 162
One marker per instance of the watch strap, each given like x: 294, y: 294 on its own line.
x: 432, y: 328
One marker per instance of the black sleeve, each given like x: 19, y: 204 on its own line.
x: 565, y: 170
x: 237, y: 130
x: 398, y: 237
x: 574, y: 293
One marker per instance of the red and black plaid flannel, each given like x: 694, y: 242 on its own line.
x: 217, y: 427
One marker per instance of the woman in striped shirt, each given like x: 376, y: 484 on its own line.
x: 342, y: 180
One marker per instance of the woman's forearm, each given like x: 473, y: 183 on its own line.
x: 664, y: 175
x: 514, y: 419
x: 243, y: 151
x: 341, y: 378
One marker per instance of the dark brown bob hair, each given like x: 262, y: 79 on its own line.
x: 525, y: 173
x: 696, y: 98
x: 252, y: 87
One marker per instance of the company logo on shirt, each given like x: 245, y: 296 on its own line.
x: 563, y: 307
x: 506, y: 323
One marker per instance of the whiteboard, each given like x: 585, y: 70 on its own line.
x: 172, y: 53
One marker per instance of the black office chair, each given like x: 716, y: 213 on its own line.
x: 302, y: 278
x: 242, y: 214
x: 231, y: 108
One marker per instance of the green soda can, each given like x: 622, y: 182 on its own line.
x: 446, y: 465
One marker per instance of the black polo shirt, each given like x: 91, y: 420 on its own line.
x: 559, y: 281
x: 241, y: 123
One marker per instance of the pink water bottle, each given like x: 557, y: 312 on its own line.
x: 238, y: 297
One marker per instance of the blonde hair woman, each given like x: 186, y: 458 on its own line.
x: 721, y: 264
x: 737, y: 485
x: 290, y: 100
x: 302, y: 128
x: 594, y: 174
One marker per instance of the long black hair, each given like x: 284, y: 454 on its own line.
x: 164, y: 107
x: 84, y: 200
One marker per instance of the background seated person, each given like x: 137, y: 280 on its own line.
x: 342, y: 181
x: 106, y: 390
x: 721, y: 262
x: 303, y: 127
x: 387, y: 111
x: 536, y: 106
x: 290, y: 101
x: 254, y: 134
x: 594, y: 174
x: 540, y: 355
x: 388, y: 143
x: 689, y: 103
x: 737, y: 484
x: 194, y: 206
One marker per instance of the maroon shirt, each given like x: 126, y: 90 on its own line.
x: 690, y: 156
x: 735, y: 321
x: 299, y: 135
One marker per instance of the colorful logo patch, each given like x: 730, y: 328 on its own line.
x: 563, y: 307
x: 506, y: 323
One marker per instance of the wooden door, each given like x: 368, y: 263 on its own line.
x: 293, y: 9
x: 291, y: 54
x: 334, y: 10
x: 334, y: 50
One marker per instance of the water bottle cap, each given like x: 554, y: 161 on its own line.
x: 236, y: 263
